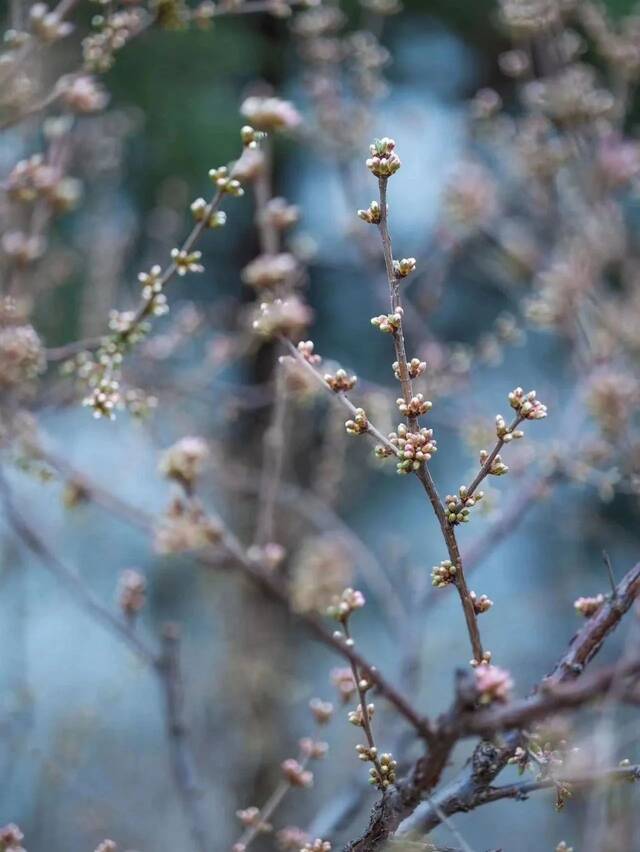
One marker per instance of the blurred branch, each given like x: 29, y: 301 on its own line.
x: 165, y: 667
x: 521, y: 790
x: 273, y: 455
x: 180, y: 749
x: 259, y: 575
x: 69, y: 579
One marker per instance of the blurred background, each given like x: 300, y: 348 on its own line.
x: 83, y: 750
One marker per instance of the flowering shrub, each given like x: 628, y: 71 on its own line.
x: 544, y: 194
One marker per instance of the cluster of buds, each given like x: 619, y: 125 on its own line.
x: 505, y: 431
x: 572, y: 96
x: 306, y: 349
x: 46, y: 25
x: 588, y: 606
x: 201, y: 212
x: 295, y: 773
x: 469, y: 198
x: 415, y: 368
x: 11, y: 838
x: 526, y: 404
x: 104, y: 398
x: 313, y: 749
x: 372, y: 214
x: 415, y: 407
x: 359, y: 425
x: 318, y: 572
x: 414, y: 448
x: 251, y: 817
x: 186, y: 261
x: 383, y: 773
x: 278, y: 213
x: 443, y: 574
x: 124, y: 325
x: 225, y: 183
x: 492, y: 683
x: 340, y: 381
x: 184, y: 460
x: 22, y: 249
x: 317, y: 845
x: 270, y: 555
x: 356, y: 717
x: 282, y: 316
x: 291, y: 838
x: 458, y: 508
x: 480, y: 604
x: 22, y: 355
x: 322, y: 711
x: 342, y: 679
x: 486, y: 659
x: 111, y: 34
x: 404, y: 267
x: 250, y: 136
x: 346, y: 604
x: 152, y: 294
x: 384, y: 161
x: 33, y: 180
x: 138, y: 403
x: 83, y: 94
x: 185, y: 526
x: 128, y: 330
x: 270, y: 114
x: 497, y: 467
x: 270, y: 271
x: 131, y: 592
x: 389, y: 323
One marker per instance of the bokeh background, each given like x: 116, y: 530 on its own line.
x: 83, y: 753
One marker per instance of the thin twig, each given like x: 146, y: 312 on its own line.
x: 423, y: 473
x: 263, y: 578
x: 181, y: 752
x: 562, y: 689
x: 146, y: 306
x: 273, y: 455
x: 165, y: 667
x: 344, y: 399
x: 69, y: 579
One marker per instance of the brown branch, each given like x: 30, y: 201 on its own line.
x: 562, y: 689
x: 273, y: 456
x: 588, y: 640
x: 521, y: 790
x: 423, y: 473
x: 488, y: 462
x: 321, y: 632
x: 342, y: 397
x: 364, y: 712
x: 263, y: 578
